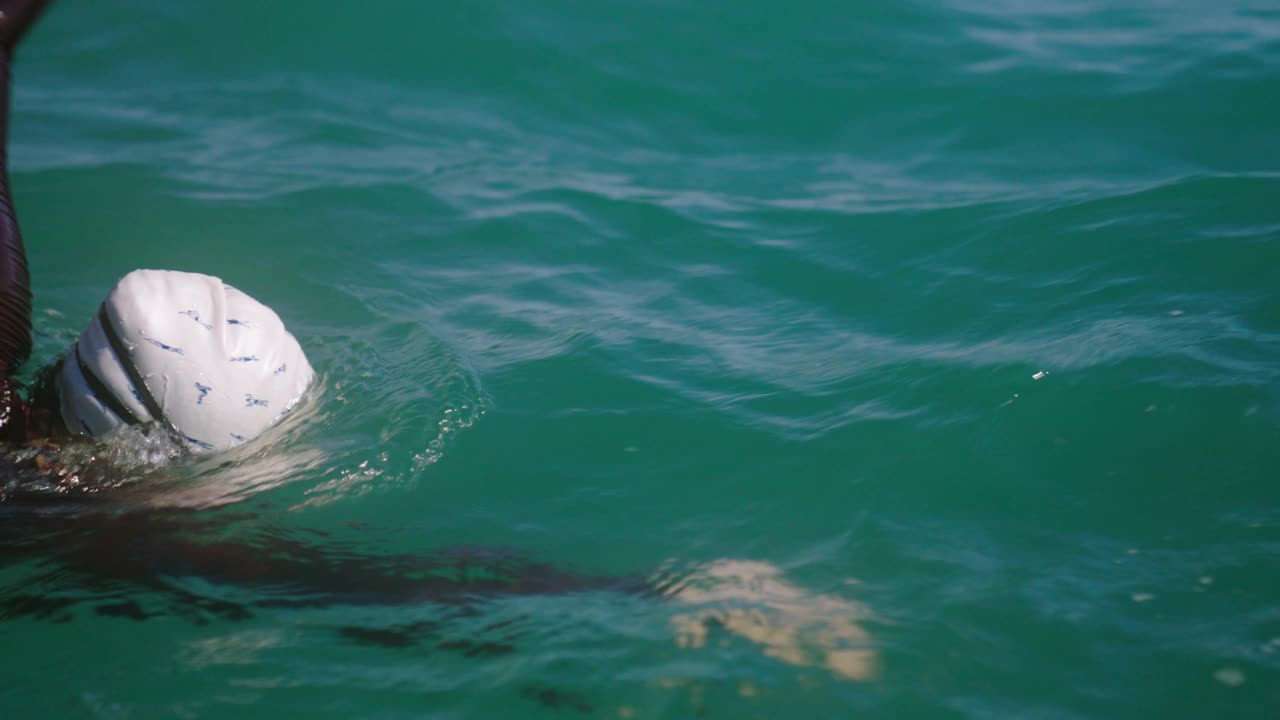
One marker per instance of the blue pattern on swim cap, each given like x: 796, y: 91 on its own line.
x: 141, y: 308
x: 195, y: 315
x: 163, y: 346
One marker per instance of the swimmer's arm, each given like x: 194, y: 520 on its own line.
x: 16, y: 16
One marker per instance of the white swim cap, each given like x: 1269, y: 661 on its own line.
x: 187, y: 351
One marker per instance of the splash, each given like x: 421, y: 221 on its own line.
x: 454, y: 420
x: 145, y: 465
x: 401, y: 395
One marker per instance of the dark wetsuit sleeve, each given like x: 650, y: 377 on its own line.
x: 16, y: 16
x: 15, y: 281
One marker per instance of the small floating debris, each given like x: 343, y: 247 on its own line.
x: 1039, y: 374
x: 1229, y: 676
x: 1142, y: 597
x: 1206, y: 580
x: 1175, y: 313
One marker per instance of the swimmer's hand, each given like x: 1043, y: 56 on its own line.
x: 46, y: 462
x: 755, y: 601
x: 43, y: 461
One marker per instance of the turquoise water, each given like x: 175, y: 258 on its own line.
x: 745, y: 304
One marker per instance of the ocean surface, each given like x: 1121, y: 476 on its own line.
x: 675, y: 360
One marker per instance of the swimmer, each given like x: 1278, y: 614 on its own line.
x: 182, y: 352
x: 213, y: 368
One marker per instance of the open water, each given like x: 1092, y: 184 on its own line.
x: 677, y: 360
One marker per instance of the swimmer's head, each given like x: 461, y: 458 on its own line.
x: 185, y: 351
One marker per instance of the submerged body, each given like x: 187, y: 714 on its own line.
x: 102, y: 558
